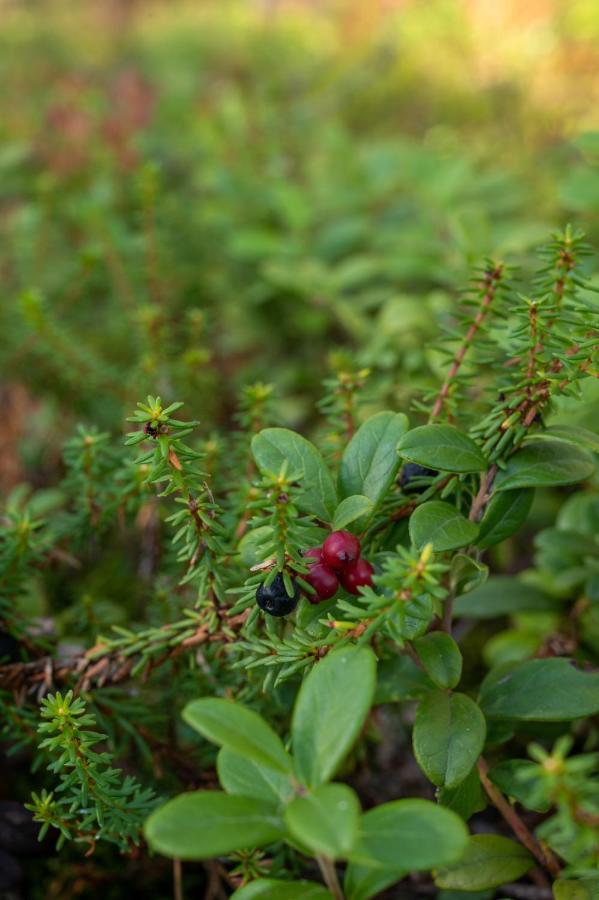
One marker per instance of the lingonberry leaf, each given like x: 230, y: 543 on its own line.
x: 449, y: 733
x: 409, y: 835
x: 545, y: 462
x: 503, y: 595
x: 238, y: 728
x: 238, y: 774
x: 505, y: 514
x: 489, y: 861
x: 204, y: 824
x: 441, y: 525
x: 370, y: 463
x: 441, y: 658
x: 351, y: 510
x: 540, y: 690
x: 399, y: 678
x: 274, y: 447
x: 330, y: 710
x: 442, y: 447
x: 273, y: 889
x: 325, y: 820
x: 467, y: 798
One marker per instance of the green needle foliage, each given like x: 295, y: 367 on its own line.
x: 92, y: 801
x: 169, y: 539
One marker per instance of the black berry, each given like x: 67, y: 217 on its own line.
x: 412, y: 472
x: 275, y: 600
x: 340, y: 550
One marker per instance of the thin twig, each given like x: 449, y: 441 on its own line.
x: 329, y: 873
x: 491, y: 280
x: 177, y: 880
x: 544, y: 856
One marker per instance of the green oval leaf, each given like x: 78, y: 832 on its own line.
x: 582, y: 437
x: 489, y: 861
x: 449, y: 734
x: 274, y: 446
x: 540, y: 690
x: 325, y: 820
x: 545, y: 462
x: 503, y: 595
x: 272, y: 889
x: 465, y: 799
x: 350, y: 509
x: 441, y: 658
x: 505, y: 514
x: 325, y: 724
x: 399, y: 678
x: 203, y: 824
x: 243, y: 776
x: 238, y: 728
x: 581, y: 889
x: 441, y: 525
x: 409, y: 835
x: 370, y: 463
x: 442, y: 447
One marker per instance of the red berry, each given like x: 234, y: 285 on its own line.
x: 340, y: 550
x: 316, y: 552
x: 323, y: 580
x: 358, y: 575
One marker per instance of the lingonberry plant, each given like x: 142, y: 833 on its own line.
x: 305, y: 609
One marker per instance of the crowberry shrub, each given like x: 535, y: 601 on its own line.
x: 431, y: 631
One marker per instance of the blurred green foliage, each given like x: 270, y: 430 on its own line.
x: 196, y: 196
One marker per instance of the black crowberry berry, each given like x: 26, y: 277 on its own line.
x: 275, y: 600
x: 412, y: 472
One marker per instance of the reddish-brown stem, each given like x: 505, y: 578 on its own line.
x: 544, y: 856
x: 482, y: 498
x: 490, y: 283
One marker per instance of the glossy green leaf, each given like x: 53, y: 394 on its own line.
x: 409, y: 835
x: 350, y: 510
x: 441, y: 525
x: 442, y: 447
x: 545, y: 462
x: 582, y: 437
x: 399, y: 678
x: 240, y: 729
x: 243, y: 776
x: 505, y: 514
x: 489, y: 861
x: 364, y: 882
x: 576, y: 889
x: 466, y: 574
x: 203, y: 824
x: 274, y: 446
x: 330, y: 710
x: 370, y: 462
x: 272, y: 889
x: 325, y: 820
x: 467, y: 798
x: 503, y: 595
x: 540, y: 690
x: 449, y: 734
x: 441, y: 658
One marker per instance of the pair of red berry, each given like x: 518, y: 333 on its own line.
x: 337, y: 562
